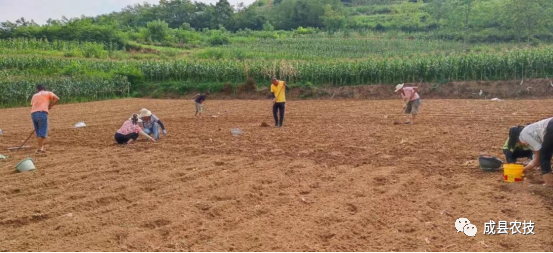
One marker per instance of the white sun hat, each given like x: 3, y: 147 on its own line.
x: 144, y: 113
x: 399, y: 87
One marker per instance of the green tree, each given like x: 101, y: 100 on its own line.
x: 526, y: 17
x: 466, y: 6
x: 409, y: 15
x: 438, y: 10
x: 202, y: 16
x: 290, y: 14
x: 251, y: 17
x: 333, y: 20
x: 268, y: 27
x: 186, y: 27
x: 6, y: 28
x: 23, y: 22
x: 176, y: 12
x: 158, y: 30
x: 222, y: 15
x: 460, y: 17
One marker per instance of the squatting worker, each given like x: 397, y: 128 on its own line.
x: 198, y: 102
x: 128, y: 133
x: 512, y: 149
x: 278, y: 88
x: 41, y: 103
x: 151, y: 123
x: 539, y: 136
x: 411, y: 100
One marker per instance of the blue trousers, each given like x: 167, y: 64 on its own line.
x: 40, y: 122
x: 154, y: 130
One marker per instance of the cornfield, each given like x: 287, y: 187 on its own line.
x: 19, y: 90
x: 18, y: 74
x: 329, y: 48
x: 529, y: 63
x: 40, y: 62
x: 21, y: 44
x: 517, y: 64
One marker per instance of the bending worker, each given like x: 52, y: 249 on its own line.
x: 411, y: 100
x: 41, y: 102
x: 151, y: 123
x: 539, y: 137
x: 129, y: 132
x: 513, y: 150
x: 199, y: 100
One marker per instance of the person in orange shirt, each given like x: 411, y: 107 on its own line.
x: 41, y: 102
x: 278, y: 88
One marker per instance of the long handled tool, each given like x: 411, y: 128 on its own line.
x: 398, y: 121
x: 212, y: 115
x: 20, y: 147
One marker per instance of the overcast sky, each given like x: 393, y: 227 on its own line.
x: 42, y: 10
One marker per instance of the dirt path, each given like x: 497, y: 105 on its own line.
x: 338, y: 177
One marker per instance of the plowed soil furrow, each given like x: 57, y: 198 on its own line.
x: 340, y: 176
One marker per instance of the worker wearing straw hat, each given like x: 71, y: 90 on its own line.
x: 41, y: 102
x: 411, y: 100
x: 151, y: 123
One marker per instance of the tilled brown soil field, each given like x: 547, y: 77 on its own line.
x: 340, y: 176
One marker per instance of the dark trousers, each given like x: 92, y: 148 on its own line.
x: 279, y: 107
x: 123, y: 139
x: 512, y: 157
x: 546, y: 150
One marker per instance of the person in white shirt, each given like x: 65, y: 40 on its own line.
x: 411, y: 100
x: 539, y: 137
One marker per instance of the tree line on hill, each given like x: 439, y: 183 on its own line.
x: 482, y: 20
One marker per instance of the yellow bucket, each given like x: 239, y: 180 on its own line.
x: 513, y: 172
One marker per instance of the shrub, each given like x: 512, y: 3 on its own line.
x: 158, y: 30
x: 134, y: 76
x: 72, y: 53
x: 218, y: 38
x: 307, y: 30
x: 91, y: 50
x: 268, y: 27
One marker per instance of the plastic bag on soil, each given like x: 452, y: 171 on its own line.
x: 80, y: 125
x: 236, y: 132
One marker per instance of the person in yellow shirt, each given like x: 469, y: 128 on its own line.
x: 278, y: 88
